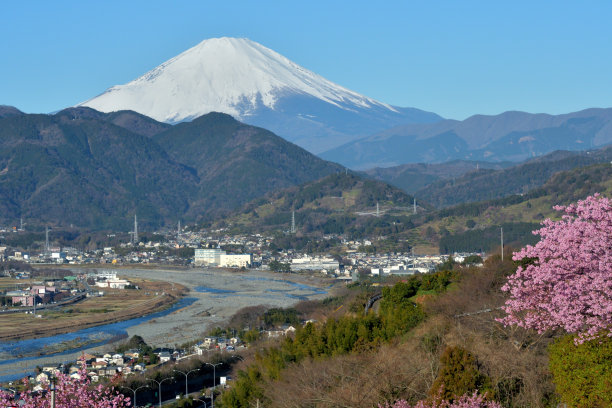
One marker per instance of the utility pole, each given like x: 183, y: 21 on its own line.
x: 214, y: 366
x: 502, y: 243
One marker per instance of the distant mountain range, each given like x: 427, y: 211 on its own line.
x: 456, y: 182
x: 95, y: 170
x: 260, y: 87
x: 412, y: 177
x: 510, y: 136
x: 488, y: 184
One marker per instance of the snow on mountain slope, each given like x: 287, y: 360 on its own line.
x: 255, y: 85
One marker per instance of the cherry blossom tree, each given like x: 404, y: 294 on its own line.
x: 567, y: 280
x: 69, y: 393
x: 466, y: 401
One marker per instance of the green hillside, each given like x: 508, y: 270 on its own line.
x: 475, y: 226
x: 337, y: 204
x: 95, y: 170
x: 64, y: 169
x: 413, y: 177
x: 236, y: 162
x: 488, y: 184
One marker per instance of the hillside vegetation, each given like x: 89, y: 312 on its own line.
x: 405, y: 350
x: 489, y: 184
x: 337, y: 204
x: 475, y: 226
x: 96, y: 170
x: 69, y: 169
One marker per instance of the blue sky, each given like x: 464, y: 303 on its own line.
x: 456, y: 58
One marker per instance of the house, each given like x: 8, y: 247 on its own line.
x: 164, y: 357
x: 199, y: 349
x: 118, y: 361
x: 42, y: 378
x: 134, y: 353
x: 111, y: 370
x: 99, y: 364
x: 208, y: 341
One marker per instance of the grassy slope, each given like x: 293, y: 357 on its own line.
x: 344, y: 200
x: 562, y: 189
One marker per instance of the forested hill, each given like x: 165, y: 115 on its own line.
x: 476, y: 226
x: 75, y: 169
x: 6, y: 110
x: 96, y: 170
x: 339, y: 203
x: 413, y: 177
x: 236, y: 162
x: 488, y: 184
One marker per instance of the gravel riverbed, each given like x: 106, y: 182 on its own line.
x: 217, y: 295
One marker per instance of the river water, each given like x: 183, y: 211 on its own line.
x: 214, y: 296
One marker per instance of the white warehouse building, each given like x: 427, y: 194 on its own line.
x: 208, y: 256
x: 218, y: 257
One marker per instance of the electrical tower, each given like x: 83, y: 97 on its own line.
x: 414, y: 205
x: 135, y: 232
x: 47, y: 240
x: 293, y: 222
x: 377, y: 210
x: 178, y: 232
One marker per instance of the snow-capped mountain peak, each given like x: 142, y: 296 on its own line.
x: 256, y: 85
x: 230, y: 75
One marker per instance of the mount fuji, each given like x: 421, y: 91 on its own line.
x: 260, y: 87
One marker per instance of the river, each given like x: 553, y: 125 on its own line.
x: 214, y: 296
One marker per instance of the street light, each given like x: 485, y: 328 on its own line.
x: 214, y: 366
x: 52, y: 389
x: 134, y: 391
x: 159, y: 383
x: 204, y: 401
x: 186, y: 375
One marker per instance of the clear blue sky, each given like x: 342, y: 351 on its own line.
x: 456, y: 58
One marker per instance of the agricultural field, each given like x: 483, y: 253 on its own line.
x: 115, y: 305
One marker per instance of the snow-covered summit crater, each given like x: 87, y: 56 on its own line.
x: 230, y: 75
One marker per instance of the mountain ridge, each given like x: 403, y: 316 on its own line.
x: 510, y: 136
x: 95, y: 170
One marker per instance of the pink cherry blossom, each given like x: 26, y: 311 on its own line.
x: 569, y: 285
x: 69, y: 393
x: 466, y: 401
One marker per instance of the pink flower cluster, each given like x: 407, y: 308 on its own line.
x: 570, y: 284
x: 466, y: 401
x: 69, y: 393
